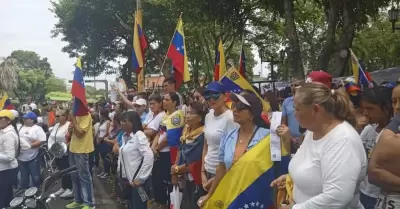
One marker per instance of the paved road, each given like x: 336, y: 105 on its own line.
x: 102, y: 197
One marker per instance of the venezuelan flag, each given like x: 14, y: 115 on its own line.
x: 233, y: 81
x: 78, y: 91
x: 242, y: 63
x: 359, y: 75
x: 220, y: 66
x: 250, y: 189
x: 174, y: 126
x: 177, y: 53
x: 5, y: 102
x: 139, y: 45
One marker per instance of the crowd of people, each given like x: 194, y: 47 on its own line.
x: 152, y: 143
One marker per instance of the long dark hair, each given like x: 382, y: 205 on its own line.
x: 134, y: 118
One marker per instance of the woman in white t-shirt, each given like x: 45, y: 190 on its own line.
x: 58, y: 134
x: 152, y: 124
x: 103, y: 148
x: 377, y: 105
x: 331, y: 163
x: 217, y: 122
x: 28, y: 160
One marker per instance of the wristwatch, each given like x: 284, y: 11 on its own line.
x: 176, y: 169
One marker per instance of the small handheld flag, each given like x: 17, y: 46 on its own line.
x: 359, y: 74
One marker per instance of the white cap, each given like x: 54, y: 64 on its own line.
x: 15, y: 113
x: 141, y: 102
x: 33, y: 106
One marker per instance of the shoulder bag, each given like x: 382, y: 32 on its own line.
x: 124, y: 188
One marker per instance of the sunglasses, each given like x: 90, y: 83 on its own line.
x: 57, y: 116
x: 240, y: 106
x: 1, y: 118
x: 213, y: 96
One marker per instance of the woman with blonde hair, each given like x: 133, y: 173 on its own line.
x: 331, y: 163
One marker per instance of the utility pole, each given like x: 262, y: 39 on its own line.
x: 140, y: 76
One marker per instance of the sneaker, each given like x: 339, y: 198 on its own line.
x: 74, y: 204
x: 66, y: 193
x: 102, y: 173
x: 88, y: 207
x: 104, y: 176
x: 59, y: 192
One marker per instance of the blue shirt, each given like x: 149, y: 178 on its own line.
x: 143, y: 117
x: 228, y: 144
x: 288, y: 112
x: 119, y: 138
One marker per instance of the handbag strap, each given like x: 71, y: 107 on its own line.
x: 122, y: 162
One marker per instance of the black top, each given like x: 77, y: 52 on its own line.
x: 394, y: 125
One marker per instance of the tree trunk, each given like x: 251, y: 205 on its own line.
x: 345, y: 40
x: 294, y: 44
x: 329, y: 46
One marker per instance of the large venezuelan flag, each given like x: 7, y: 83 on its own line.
x: 249, y: 189
x: 5, y: 102
x: 174, y: 126
x: 220, y: 65
x: 233, y: 81
x: 139, y: 45
x: 359, y: 75
x: 177, y: 53
x: 78, y: 91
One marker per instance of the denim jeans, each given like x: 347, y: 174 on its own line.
x: 367, y: 201
x: 30, y: 169
x: 135, y: 202
x: 82, y: 180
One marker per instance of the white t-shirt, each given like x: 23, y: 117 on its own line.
x: 369, y: 137
x: 102, y: 130
x: 58, y: 134
x: 327, y: 172
x: 31, y: 134
x: 214, y: 128
x: 153, y: 122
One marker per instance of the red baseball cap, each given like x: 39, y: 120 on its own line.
x: 321, y: 77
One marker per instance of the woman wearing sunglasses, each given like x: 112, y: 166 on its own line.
x: 218, y: 121
x: 58, y: 134
x: 247, y: 110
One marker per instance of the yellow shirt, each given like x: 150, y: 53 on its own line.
x: 83, y: 144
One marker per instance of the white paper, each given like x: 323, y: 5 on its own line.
x: 275, y: 145
x: 114, y: 94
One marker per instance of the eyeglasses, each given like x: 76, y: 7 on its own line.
x: 213, y: 96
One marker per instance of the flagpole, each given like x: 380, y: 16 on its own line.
x: 140, y: 76
x: 165, y: 58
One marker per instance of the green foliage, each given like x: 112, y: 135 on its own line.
x: 27, y: 60
x: 55, y: 84
x: 377, y: 45
x: 30, y: 83
x: 102, y: 32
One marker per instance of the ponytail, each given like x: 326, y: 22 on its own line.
x: 343, y: 107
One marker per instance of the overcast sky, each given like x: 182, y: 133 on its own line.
x: 27, y: 25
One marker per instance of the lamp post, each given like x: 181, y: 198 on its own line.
x: 273, y: 62
x: 393, y: 17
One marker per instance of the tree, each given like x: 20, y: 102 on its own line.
x: 54, y: 84
x: 27, y: 60
x: 8, y: 74
x: 30, y: 83
x: 105, y: 35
